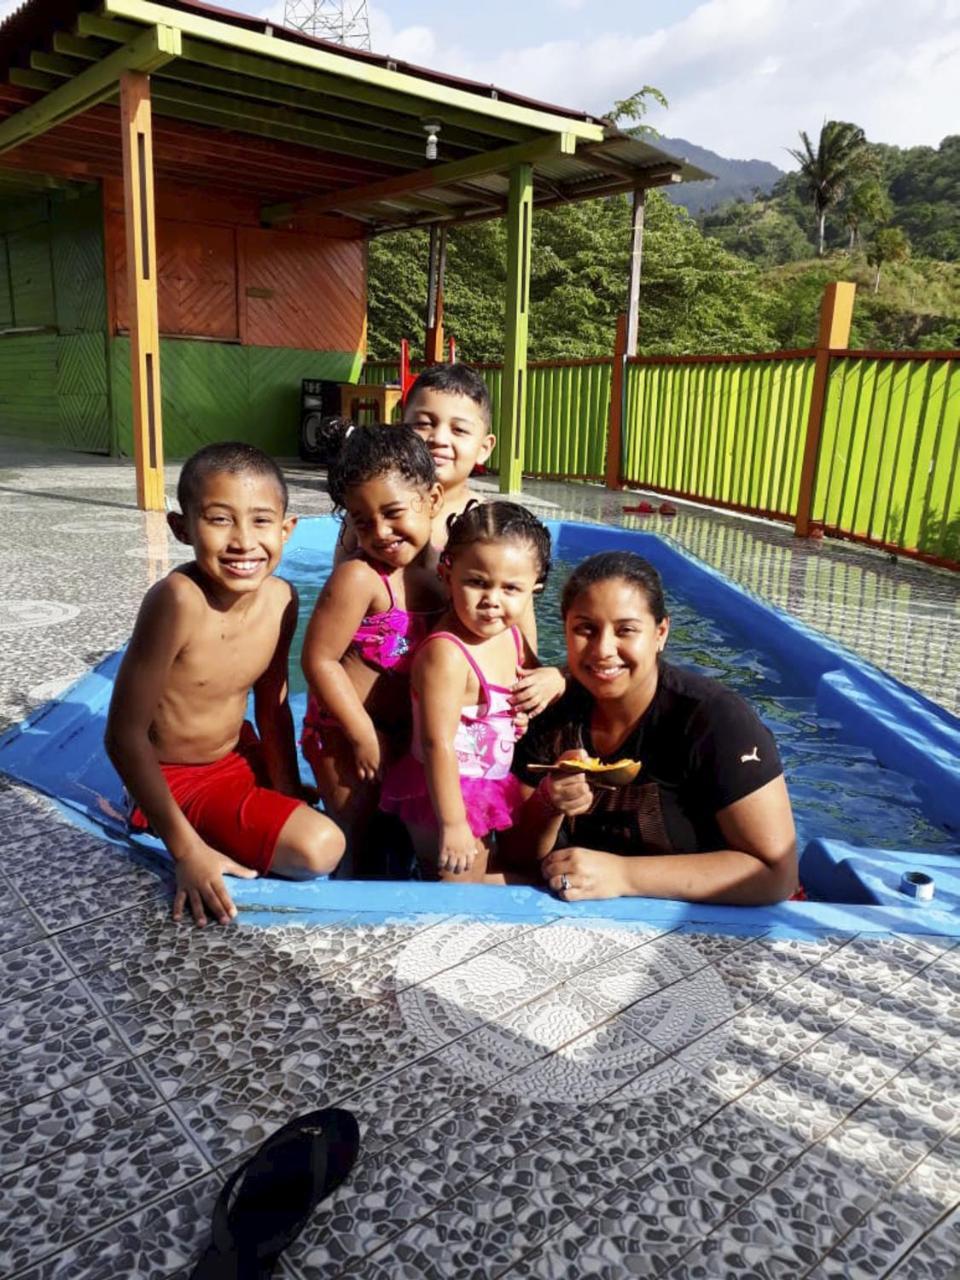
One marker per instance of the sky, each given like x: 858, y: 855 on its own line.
x: 742, y: 76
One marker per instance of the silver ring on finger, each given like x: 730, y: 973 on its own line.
x: 564, y: 883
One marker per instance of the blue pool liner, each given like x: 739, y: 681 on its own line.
x: 58, y: 750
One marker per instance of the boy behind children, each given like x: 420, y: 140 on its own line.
x: 208, y: 633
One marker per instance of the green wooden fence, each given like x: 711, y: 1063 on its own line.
x: 731, y: 431
x: 726, y: 430
x: 889, y: 466
x: 568, y: 403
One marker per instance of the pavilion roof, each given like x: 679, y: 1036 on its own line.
x: 302, y: 126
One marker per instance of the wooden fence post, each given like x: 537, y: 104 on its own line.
x: 836, y: 314
x: 618, y: 377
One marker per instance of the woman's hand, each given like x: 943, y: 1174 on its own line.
x: 574, y: 874
x: 567, y: 793
x: 536, y: 687
x: 458, y: 848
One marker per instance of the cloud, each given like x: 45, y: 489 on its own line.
x: 743, y: 76
x: 415, y: 44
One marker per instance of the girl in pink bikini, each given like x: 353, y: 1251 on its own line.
x: 454, y: 789
x: 373, y: 611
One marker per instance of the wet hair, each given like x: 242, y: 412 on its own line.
x: 639, y: 573
x: 498, y: 522
x: 369, y: 452
x: 455, y: 380
x: 232, y: 457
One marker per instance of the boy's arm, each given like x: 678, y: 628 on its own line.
x: 439, y: 675
x: 272, y: 708
x: 345, y: 600
x: 161, y: 632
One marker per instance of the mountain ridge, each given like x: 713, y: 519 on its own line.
x: 733, y: 179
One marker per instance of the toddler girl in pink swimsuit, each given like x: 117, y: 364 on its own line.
x: 373, y: 611
x: 454, y: 789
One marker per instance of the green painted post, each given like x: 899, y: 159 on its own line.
x: 513, y: 404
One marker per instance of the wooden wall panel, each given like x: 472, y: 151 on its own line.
x: 196, y: 278
x: 303, y: 291
x: 222, y: 276
x: 220, y: 391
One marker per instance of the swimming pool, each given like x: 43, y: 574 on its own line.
x: 873, y: 767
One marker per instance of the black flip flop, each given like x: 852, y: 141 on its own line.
x: 265, y: 1204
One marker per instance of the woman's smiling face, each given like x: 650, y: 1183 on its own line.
x: 613, y: 639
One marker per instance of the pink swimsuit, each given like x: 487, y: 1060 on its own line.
x: 385, y: 641
x: 484, y: 743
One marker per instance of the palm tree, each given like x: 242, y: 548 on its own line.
x: 826, y: 170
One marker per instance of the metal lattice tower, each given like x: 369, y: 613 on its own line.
x: 344, y: 22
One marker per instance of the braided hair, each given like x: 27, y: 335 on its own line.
x: 499, y: 522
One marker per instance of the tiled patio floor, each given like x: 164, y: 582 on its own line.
x: 558, y: 1101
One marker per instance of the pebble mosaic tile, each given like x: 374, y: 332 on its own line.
x: 557, y: 1100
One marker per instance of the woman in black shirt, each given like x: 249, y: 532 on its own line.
x: 709, y: 810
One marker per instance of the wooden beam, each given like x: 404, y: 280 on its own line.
x: 441, y: 175
x: 290, y: 120
x: 351, y: 105
x: 150, y: 50
x: 488, y: 199
x: 208, y: 67
x: 81, y: 47
x: 216, y: 118
x: 27, y: 78
x: 96, y: 25
x: 483, y: 212
x: 636, y: 261
x: 138, y: 215
x: 513, y: 404
x: 363, y: 74
x: 55, y: 64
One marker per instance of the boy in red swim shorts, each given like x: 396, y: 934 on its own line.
x: 221, y: 800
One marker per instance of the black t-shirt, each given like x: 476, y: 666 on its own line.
x: 701, y: 745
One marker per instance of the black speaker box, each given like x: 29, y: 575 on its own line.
x: 319, y: 400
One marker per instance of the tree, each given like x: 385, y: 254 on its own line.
x: 826, y: 171
x: 695, y: 296
x: 635, y: 108
x: 869, y: 202
x: 890, y: 244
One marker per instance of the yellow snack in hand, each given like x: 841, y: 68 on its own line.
x: 618, y: 773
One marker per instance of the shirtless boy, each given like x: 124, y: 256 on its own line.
x: 208, y: 633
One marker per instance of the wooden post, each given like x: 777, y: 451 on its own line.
x: 636, y: 260
x: 158, y: 546
x: 513, y: 404
x: 433, y: 338
x: 138, y: 216
x: 618, y: 385
x: 836, y: 314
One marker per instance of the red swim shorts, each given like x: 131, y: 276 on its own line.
x: 229, y: 804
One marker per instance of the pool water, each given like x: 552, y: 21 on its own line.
x: 839, y: 791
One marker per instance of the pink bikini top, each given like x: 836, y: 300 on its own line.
x: 486, y: 734
x: 387, y: 640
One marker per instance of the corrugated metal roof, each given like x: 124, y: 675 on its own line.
x: 257, y: 115
x: 36, y: 19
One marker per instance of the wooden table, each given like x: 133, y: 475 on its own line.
x: 356, y: 396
